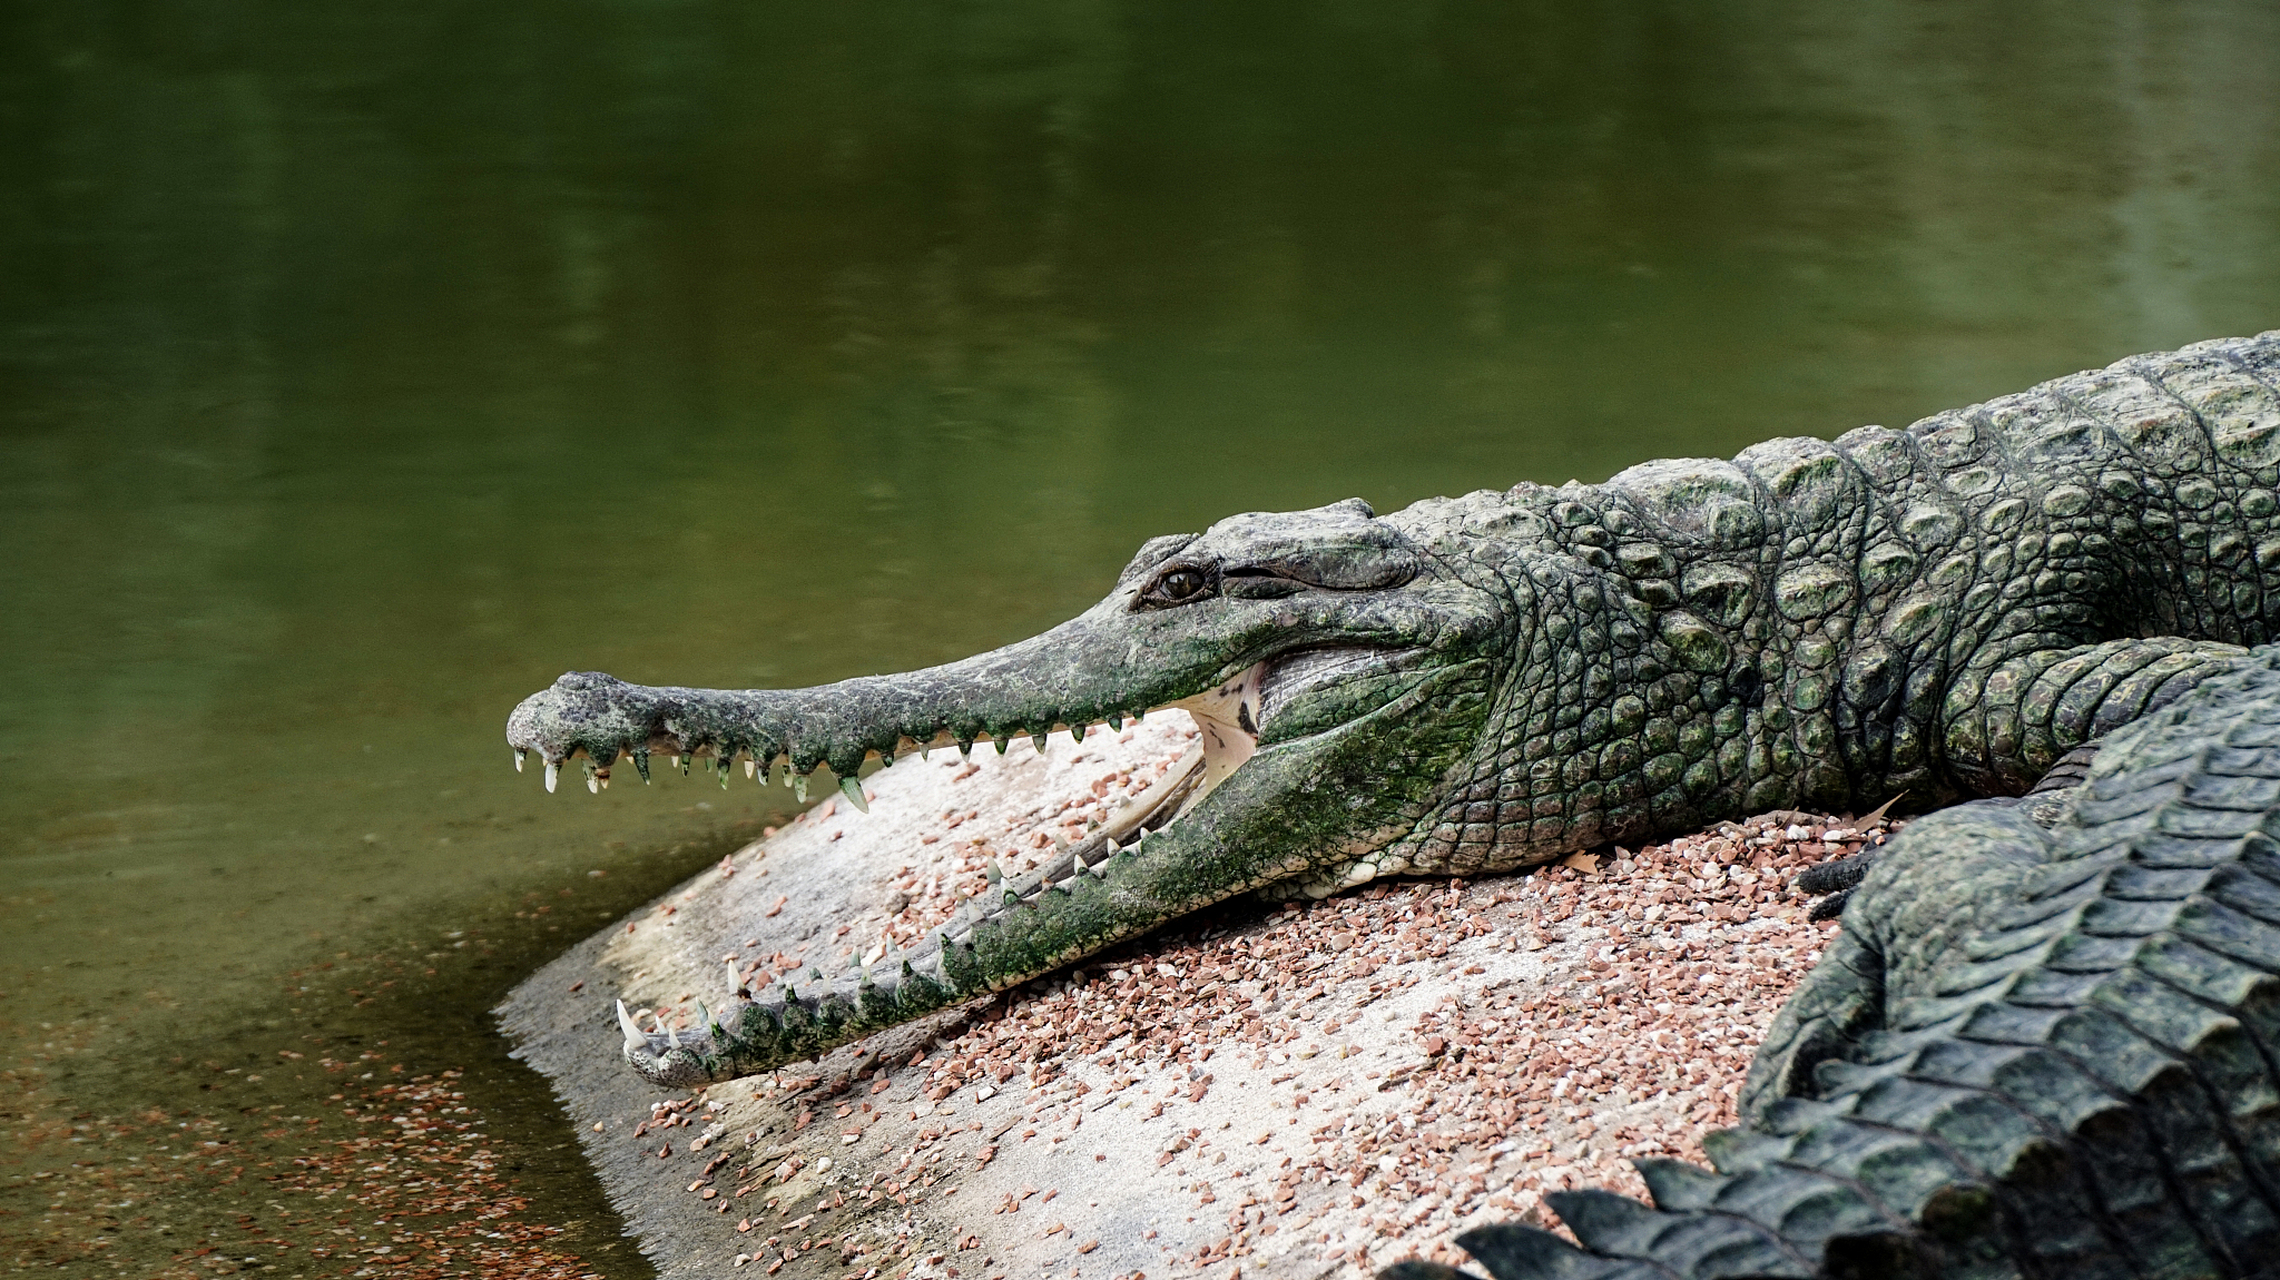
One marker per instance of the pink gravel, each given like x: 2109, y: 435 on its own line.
x: 1311, y: 1088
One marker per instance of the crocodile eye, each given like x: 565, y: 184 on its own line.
x: 1179, y: 585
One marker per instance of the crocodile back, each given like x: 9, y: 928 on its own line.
x: 1827, y: 623
x: 2111, y: 498
x: 2156, y: 474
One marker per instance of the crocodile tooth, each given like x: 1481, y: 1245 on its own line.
x: 553, y: 771
x: 1037, y: 739
x: 672, y: 1033
x: 1003, y: 741
x: 750, y: 766
x: 632, y: 1030
x: 521, y: 753
x: 853, y: 790
x: 676, y: 762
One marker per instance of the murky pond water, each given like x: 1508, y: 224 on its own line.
x: 364, y: 367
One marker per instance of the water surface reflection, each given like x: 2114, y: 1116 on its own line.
x: 362, y: 368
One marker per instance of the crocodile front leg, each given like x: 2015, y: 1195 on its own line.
x: 2010, y: 718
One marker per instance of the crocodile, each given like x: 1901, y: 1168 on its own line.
x: 1492, y: 681
x: 2029, y: 1051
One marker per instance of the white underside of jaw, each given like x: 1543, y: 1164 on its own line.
x: 1228, y: 716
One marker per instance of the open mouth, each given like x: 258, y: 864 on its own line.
x: 1230, y: 718
x: 1165, y: 852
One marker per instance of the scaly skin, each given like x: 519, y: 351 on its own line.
x: 2029, y: 1052
x: 1486, y: 682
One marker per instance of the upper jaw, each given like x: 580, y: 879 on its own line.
x: 1105, y: 664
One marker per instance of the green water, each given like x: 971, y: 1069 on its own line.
x: 362, y: 367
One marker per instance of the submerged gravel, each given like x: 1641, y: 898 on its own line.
x: 396, y: 1178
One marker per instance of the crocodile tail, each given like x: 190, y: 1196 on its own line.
x: 1418, y: 1269
x: 1514, y: 1252
x: 1511, y: 1251
x: 1622, y: 1239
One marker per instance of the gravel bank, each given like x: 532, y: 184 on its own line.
x: 1302, y: 1089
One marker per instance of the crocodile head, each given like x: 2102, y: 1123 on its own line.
x: 1340, y: 672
